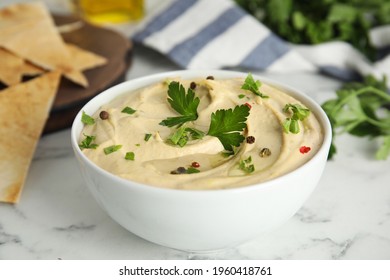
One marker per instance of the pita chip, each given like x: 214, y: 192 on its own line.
x: 24, y: 109
x: 10, y: 68
x: 84, y: 60
x: 13, y: 68
x: 29, y: 69
x: 28, y: 31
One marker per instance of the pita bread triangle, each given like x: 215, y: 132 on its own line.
x: 10, y: 68
x: 83, y: 60
x: 13, y: 68
x: 24, y: 109
x: 28, y: 31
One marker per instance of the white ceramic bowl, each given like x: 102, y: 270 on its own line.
x: 200, y: 220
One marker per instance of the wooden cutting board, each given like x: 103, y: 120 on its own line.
x: 105, y: 42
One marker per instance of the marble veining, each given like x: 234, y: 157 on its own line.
x: 6, y: 238
x: 75, y: 228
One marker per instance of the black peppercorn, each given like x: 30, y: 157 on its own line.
x: 192, y: 85
x: 179, y: 170
x: 104, y: 115
x: 250, y: 139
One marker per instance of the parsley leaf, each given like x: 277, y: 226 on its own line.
x: 253, y: 86
x: 128, y: 110
x: 299, y: 113
x: 226, y: 125
x: 184, y: 134
x: 87, y: 142
x: 185, y: 104
x: 86, y: 119
x: 110, y: 149
x: 360, y: 110
x: 246, y: 166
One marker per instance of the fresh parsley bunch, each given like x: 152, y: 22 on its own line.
x: 362, y: 109
x: 313, y: 22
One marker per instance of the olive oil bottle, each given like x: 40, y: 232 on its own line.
x: 110, y: 11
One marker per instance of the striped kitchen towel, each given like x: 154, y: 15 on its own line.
x: 201, y: 34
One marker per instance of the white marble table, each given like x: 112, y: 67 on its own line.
x: 347, y: 216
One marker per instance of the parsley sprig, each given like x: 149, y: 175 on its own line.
x: 360, y: 110
x: 299, y: 113
x: 186, y: 104
x: 226, y: 125
x: 253, y: 86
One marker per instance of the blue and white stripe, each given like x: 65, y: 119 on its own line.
x: 201, y: 34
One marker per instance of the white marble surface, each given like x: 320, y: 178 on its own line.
x: 347, y: 216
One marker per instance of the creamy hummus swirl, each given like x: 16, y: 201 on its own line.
x: 155, y: 159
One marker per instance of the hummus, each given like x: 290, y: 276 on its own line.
x: 153, y: 159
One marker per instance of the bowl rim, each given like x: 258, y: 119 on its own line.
x: 123, y: 88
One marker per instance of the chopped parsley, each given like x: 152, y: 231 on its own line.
x: 253, y: 86
x: 87, y: 143
x: 299, y: 113
x: 87, y: 119
x: 147, y: 137
x: 111, y: 149
x: 191, y: 170
x: 130, y: 156
x: 128, y: 110
x: 246, y: 166
x: 186, y: 104
x: 241, y: 96
x: 226, y: 125
x: 184, y: 134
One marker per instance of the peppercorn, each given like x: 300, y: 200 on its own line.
x: 192, y: 85
x: 250, y: 139
x: 195, y: 164
x: 265, y: 152
x: 179, y: 170
x: 104, y: 115
x: 304, y: 149
x: 210, y: 78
